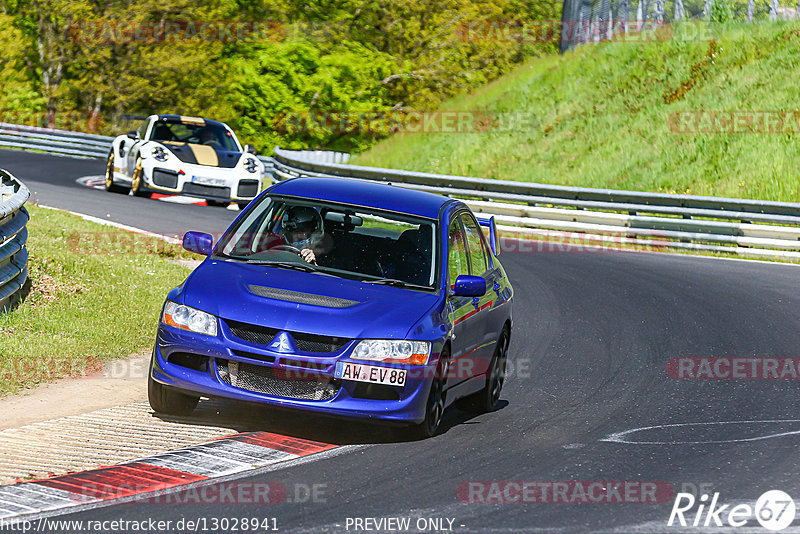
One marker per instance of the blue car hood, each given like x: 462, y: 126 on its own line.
x: 225, y: 289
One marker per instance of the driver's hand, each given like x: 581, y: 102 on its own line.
x: 308, y: 255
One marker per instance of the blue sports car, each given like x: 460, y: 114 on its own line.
x: 341, y: 297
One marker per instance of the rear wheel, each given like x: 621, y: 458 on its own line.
x: 486, y: 399
x: 168, y: 401
x: 218, y: 203
x: 434, y: 408
x: 137, y: 180
x: 242, y: 205
x: 110, y: 185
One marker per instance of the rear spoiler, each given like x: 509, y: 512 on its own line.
x: 492, y: 232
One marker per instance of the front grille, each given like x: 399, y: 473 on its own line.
x: 252, y: 333
x: 305, y: 342
x: 265, y: 380
x: 165, y: 179
x: 312, y: 343
x: 207, y: 191
x: 248, y: 188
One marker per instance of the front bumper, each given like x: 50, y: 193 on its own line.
x: 348, y: 399
x: 228, y: 184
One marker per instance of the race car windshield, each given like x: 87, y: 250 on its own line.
x: 209, y: 134
x: 347, y: 241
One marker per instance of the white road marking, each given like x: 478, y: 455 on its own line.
x: 622, y: 437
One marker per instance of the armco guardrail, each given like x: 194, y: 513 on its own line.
x: 597, y: 216
x: 59, y: 142
x: 13, y: 237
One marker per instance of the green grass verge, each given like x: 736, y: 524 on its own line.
x: 598, y: 117
x: 95, y: 295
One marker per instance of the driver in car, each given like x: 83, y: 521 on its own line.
x: 207, y: 137
x: 301, y: 227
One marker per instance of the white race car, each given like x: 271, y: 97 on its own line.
x: 177, y: 155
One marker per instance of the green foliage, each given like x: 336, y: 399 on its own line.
x: 332, y: 56
x: 597, y: 117
x: 20, y: 100
x: 721, y: 11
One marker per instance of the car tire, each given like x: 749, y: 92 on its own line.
x: 168, y: 401
x: 111, y: 187
x: 486, y: 399
x: 242, y: 205
x: 137, y: 181
x: 218, y: 203
x: 434, y: 407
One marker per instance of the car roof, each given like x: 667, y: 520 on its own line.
x: 365, y: 193
x: 179, y: 118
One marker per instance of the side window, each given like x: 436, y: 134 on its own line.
x: 142, y: 130
x: 477, y: 250
x: 457, y: 260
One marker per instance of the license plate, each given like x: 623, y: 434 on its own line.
x: 204, y: 180
x: 370, y: 373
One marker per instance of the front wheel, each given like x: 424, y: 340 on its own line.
x: 168, y: 401
x: 486, y: 399
x: 218, y: 203
x: 434, y: 408
x: 242, y: 205
x: 137, y: 180
x: 111, y: 187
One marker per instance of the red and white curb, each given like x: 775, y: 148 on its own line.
x: 99, y: 182
x: 206, y: 462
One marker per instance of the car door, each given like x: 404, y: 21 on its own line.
x: 481, y: 264
x: 131, y: 145
x: 466, y: 336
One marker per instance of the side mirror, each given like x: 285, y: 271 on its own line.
x: 133, y: 134
x: 250, y: 150
x: 198, y: 242
x: 470, y: 286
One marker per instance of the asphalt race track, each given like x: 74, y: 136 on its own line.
x: 592, y: 337
x: 52, y: 183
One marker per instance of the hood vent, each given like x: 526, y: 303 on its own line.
x: 301, y: 298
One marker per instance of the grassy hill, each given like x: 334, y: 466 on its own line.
x: 599, y: 117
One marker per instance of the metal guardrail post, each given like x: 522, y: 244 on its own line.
x: 13, y: 238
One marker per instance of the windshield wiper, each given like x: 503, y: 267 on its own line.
x: 305, y: 267
x: 394, y: 283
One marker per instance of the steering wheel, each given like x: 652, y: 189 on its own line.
x: 289, y: 248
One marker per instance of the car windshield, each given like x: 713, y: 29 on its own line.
x: 195, y: 132
x: 349, y: 241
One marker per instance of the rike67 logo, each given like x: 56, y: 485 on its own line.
x: 774, y: 510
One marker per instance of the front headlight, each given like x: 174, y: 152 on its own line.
x: 159, y: 153
x: 186, y: 318
x: 392, y: 351
x: 251, y: 165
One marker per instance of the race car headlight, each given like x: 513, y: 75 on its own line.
x: 251, y: 165
x: 393, y: 351
x: 160, y: 154
x: 186, y: 318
